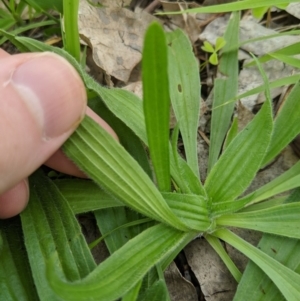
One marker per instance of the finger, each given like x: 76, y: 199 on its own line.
x: 42, y: 101
x: 13, y: 201
x: 3, y: 54
x: 60, y: 162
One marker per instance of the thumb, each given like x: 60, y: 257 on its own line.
x: 42, y: 100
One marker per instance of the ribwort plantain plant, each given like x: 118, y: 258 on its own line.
x: 146, y: 217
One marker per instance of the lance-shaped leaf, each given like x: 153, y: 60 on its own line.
x: 157, y: 102
x: 285, y: 132
x: 110, y: 166
x: 185, y: 92
x: 225, y: 88
x: 84, y: 196
x: 284, y: 250
x: 286, y: 181
x: 241, y: 160
x: 287, y: 281
x: 281, y: 220
x: 126, y: 136
x: 16, y: 282
x: 127, y: 265
x: 50, y: 229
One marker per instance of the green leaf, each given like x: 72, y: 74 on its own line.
x: 217, y: 246
x: 84, y: 195
x: 185, y: 92
x: 282, y: 249
x: 124, y: 104
x: 280, y: 54
x: 51, y: 231
x: 126, y: 136
x: 287, y: 281
x: 6, y: 19
x: 220, y: 43
x: 280, y: 220
x: 232, y: 132
x: 45, y: 5
x: 157, y: 292
x: 225, y: 88
x: 157, y: 102
x: 284, y: 132
x: 241, y: 160
x: 190, y: 181
x: 191, y: 208
x: 22, y: 29
x: 264, y: 205
x: 15, y: 274
x: 259, y: 12
x: 112, y: 221
x: 133, y: 294
x: 110, y: 166
x: 286, y: 181
x: 70, y: 30
x: 127, y: 264
x: 289, y: 80
x: 208, y: 47
x: 213, y: 59
x: 292, y: 61
x: 231, y: 7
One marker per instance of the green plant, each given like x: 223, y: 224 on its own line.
x: 213, y: 58
x: 260, y: 11
x: 21, y: 16
x: 57, y: 263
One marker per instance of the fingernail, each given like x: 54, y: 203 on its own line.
x: 53, y: 93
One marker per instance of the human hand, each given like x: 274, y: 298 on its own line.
x: 42, y: 101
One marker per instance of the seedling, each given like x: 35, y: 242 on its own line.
x: 213, y: 58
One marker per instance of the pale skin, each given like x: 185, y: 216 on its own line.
x: 42, y: 101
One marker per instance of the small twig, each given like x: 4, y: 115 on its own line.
x: 204, y: 137
x: 152, y: 6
